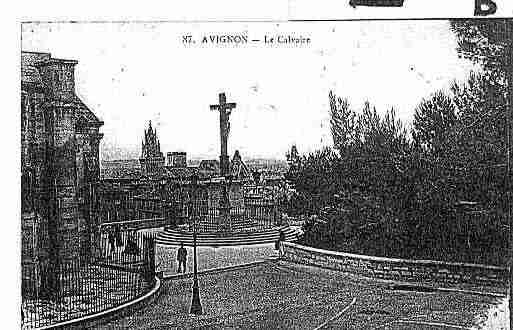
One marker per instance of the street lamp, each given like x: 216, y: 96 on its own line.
x: 117, y: 207
x: 195, y: 303
x: 163, y: 199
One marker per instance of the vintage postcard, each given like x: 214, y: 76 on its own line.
x: 349, y: 174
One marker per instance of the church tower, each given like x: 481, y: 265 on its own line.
x: 152, y: 159
x: 60, y: 138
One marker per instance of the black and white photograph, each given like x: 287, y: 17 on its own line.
x: 328, y: 174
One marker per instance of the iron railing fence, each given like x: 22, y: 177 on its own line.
x: 246, y: 215
x: 252, y: 207
x: 125, y: 247
x: 53, y: 293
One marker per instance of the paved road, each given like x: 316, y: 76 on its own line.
x: 280, y: 295
x: 209, y: 257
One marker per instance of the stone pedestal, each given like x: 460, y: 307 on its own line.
x: 224, y: 223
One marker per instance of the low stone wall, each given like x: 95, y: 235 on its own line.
x: 403, y: 270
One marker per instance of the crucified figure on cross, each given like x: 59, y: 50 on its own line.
x: 225, y: 109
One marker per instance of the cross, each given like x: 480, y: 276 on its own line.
x: 225, y: 109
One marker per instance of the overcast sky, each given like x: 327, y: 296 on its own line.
x: 129, y: 74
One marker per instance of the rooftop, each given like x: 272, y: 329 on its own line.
x: 31, y: 78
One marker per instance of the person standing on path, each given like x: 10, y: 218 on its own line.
x: 112, y: 240
x: 117, y: 236
x: 182, y: 258
x: 281, y: 239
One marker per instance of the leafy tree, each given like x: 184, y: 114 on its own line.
x: 478, y: 147
x: 486, y: 42
x: 386, y: 195
x: 482, y: 109
x: 343, y: 122
x: 374, y: 144
x: 381, y: 136
x: 433, y: 121
x: 316, y: 180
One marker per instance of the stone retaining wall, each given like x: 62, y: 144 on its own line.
x: 404, y: 270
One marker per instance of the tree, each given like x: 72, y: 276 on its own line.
x: 433, y: 120
x: 486, y: 42
x: 381, y: 136
x: 343, y: 123
x: 490, y: 42
x: 316, y: 179
x: 478, y: 145
x: 387, y: 195
x: 481, y: 105
x: 365, y: 132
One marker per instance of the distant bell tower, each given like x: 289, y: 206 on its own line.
x: 152, y: 159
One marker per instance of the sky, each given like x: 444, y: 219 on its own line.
x: 131, y: 73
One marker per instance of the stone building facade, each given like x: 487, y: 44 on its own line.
x: 59, y: 161
x: 152, y: 159
x: 177, y: 159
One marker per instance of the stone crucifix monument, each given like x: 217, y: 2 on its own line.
x: 225, y: 109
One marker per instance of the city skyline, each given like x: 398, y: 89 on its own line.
x: 130, y: 74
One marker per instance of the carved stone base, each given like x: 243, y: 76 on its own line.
x: 224, y: 223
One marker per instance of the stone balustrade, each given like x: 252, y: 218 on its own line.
x: 403, y: 270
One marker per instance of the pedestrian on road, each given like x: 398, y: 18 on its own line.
x: 117, y: 236
x: 182, y: 258
x: 112, y: 241
x: 131, y: 247
x: 281, y: 239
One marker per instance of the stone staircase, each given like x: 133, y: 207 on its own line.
x: 220, y: 239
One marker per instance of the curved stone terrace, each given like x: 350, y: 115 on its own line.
x: 264, y: 292
x: 246, y: 287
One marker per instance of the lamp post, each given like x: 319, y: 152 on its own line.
x: 163, y: 198
x: 117, y: 206
x: 195, y: 303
